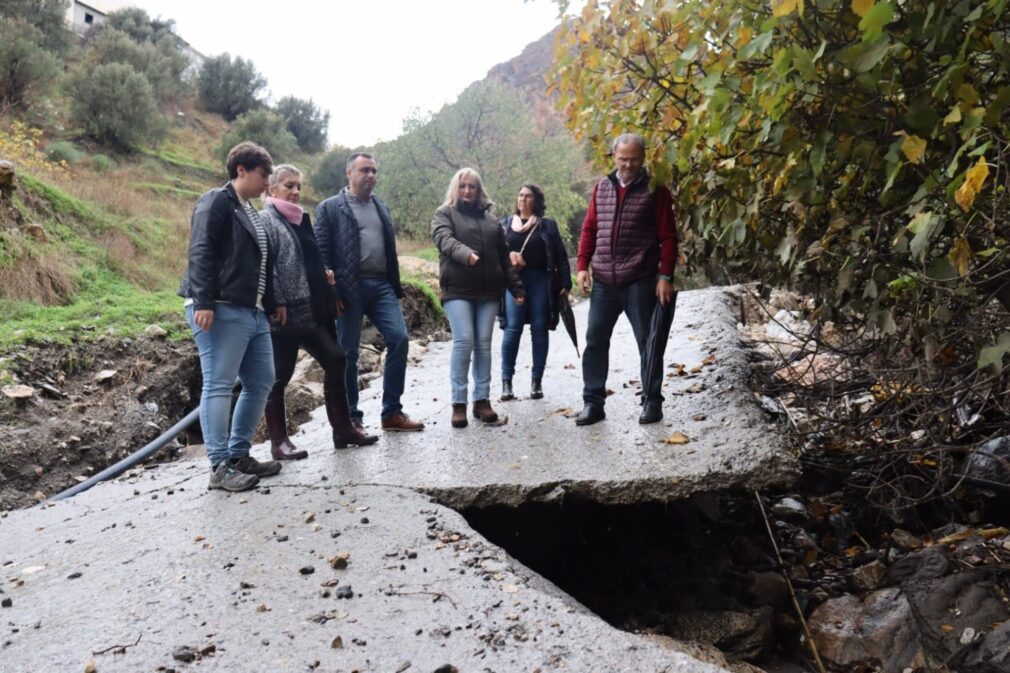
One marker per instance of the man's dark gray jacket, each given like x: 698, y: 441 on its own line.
x: 340, y: 244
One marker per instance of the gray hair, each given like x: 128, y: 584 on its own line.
x: 629, y: 139
x: 354, y: 157
x: 280, y: 171
x: 452, y: 194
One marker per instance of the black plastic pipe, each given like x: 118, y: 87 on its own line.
x: 131, y: 460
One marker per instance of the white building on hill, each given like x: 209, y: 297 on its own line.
x: 82, y: 17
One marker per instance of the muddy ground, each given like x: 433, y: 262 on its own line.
x: 98, y: 400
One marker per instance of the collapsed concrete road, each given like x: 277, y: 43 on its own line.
x: 540, y: 454
x: 344, y: 562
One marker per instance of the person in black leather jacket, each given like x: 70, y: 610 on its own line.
x: 228, y: 286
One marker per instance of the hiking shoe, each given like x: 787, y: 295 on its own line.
x: 226, y: 478
x: 401, y: 422
x: 249, y: 465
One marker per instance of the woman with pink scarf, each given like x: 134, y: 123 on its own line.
x: 304, y: 288
x: 538, y: 255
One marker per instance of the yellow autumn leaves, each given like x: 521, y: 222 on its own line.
x: 914, y: 149
x: 972, y: 185
x: 784, y: 7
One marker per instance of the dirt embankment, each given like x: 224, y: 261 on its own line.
x: 92, y: 403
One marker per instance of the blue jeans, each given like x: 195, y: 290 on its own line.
x: 472, y: 323
x: 606, y: 304
x: 237, y: 345
x: 537, y: 312
x: 377, y: 301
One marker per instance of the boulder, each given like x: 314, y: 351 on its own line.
x: 904, y: 540
x: 876, y: 631
x: 155, y: 332
x: 868, y: 577
x: 791, y: 510
x: 954, y: 615
x: 747, y: 636
x: 991, y: 462
x: 18, y: 391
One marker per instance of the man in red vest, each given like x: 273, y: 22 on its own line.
x: 629, y: 238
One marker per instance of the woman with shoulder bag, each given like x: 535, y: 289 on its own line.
x: 538, y: 254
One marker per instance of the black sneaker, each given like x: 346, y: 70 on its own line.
x: 226, y: 478
x: 249, y: 465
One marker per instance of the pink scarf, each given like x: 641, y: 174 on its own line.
x: 292, y: 212
x: 520, y: 228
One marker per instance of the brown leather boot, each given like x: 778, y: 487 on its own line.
x: 482, y: 410
x: 281, y: 447
x: 459, y: 416
x: 339, y: 415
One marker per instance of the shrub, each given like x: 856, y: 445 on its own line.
x: 46, y: 16
x: 64, y: 150
x: 263, y: 127
x: 161, y: 63
x: 114, y: 104
x: 26, y: 70
x: 138, y: 25
x: 331, y: 174
x: 102, y: 162
x: 229, y: 87
x: 306, y: 122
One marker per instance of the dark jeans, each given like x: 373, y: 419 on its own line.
x: 537, y: 311
x: 324, y: 349
x: 606, y: 304
x: 379, y: 302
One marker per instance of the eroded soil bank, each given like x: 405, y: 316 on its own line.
x: 96, y: 401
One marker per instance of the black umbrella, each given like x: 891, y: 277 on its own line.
x: 567, y: 317
x: 655, y: 345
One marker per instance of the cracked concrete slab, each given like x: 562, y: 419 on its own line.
x: 156, y: 557
x: 540, y: 455
x: 139, y: 570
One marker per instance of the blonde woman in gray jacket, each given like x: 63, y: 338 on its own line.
x: 474, y: 271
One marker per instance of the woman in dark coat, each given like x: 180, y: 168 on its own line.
x: 305, y: 290
x: 539, y: 256
x: 474, y: 271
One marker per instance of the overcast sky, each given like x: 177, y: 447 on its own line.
x: 369, y: 62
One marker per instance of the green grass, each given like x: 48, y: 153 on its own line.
x: 105, y: 301
x: 427, y: 253
x: 425, y: 288
x: 188, y: 164
x: 62, y: 203
x: 169, y: 190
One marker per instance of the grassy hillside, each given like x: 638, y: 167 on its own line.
x: 91, y: 244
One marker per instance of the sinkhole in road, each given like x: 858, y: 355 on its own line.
x: 699, y: 570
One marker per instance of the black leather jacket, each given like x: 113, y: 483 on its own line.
x: 224, y: 258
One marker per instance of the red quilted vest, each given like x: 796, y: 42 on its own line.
x: 627, y: 243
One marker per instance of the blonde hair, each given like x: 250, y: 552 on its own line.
x: 452, y: 194
x: 279, y: 172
